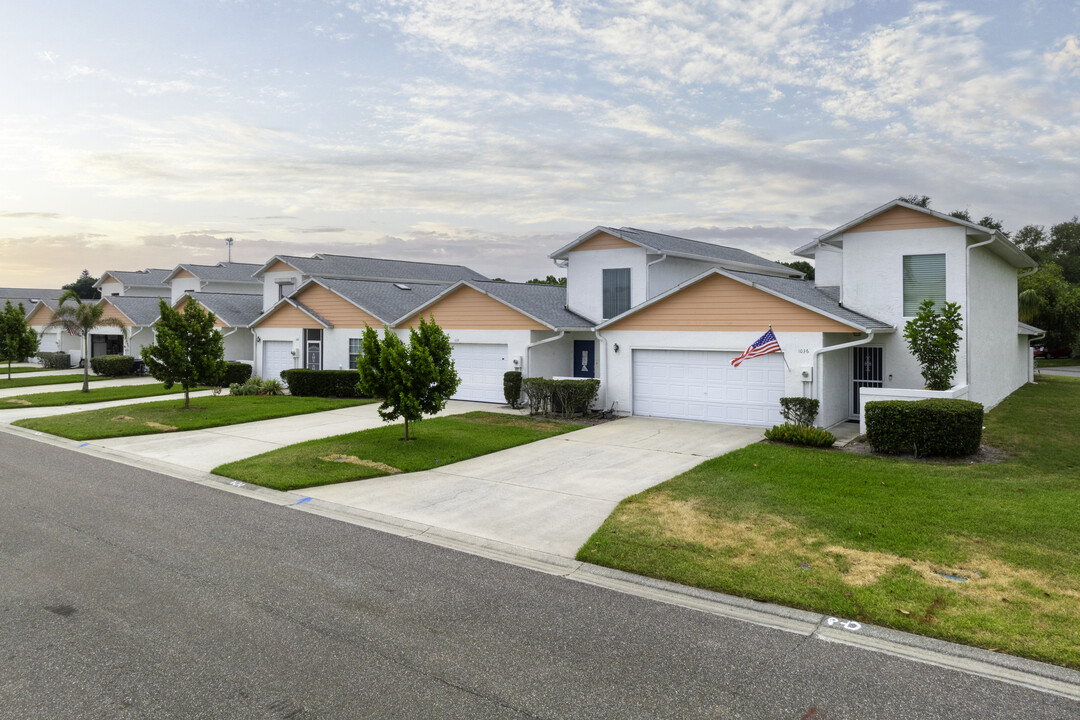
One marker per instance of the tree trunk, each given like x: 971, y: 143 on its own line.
x: 406, y: 429
x: 86, y: 362
x: 9, y: 369
x: 187, y: 399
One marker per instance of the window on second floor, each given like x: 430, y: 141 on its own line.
x: 285, y: 289
x: 616, y: 291
x: 354, y: 352
x: 924, y: 279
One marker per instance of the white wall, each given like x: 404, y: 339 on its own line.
x: 999, y: 357
x: 270, y: 285
x: 616, y: 373
x: 835, y: 369
x: 828, y: 266
x: 585, y: 278
x: 111, y: 288
x: 668, y: 273
x: 154, y: 291
x: 182, y: 286
x: 239, y: 344
x: 556, y: 359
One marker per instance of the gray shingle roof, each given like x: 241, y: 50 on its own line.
x: 363, y: 268
x: 546, y: 303
x: 225, y: 272
x: 804, y: 292
x: 24, y: 295
x: 138, y: 278
x: 384, y: 300
x: 234, y: 309
x: 142, y: 311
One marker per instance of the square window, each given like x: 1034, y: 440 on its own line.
x: 285, y: 289
x: 616, y: 291
x: 924, y: 279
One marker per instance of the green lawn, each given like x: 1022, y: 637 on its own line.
x: 18, y: 382
x: 1056, y: 362
x: 381, y: 451
x: 96, y: 395
x: 17, y: 370
x: 866, y: 537
x: 167, y: 416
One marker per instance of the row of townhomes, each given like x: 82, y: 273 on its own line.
x: 656, y: 318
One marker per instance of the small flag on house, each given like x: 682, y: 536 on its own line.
x: 762, y: 346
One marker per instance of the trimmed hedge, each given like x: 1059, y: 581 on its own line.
x: 113, y: 365
x: 55, y: 360
x: 799, y: 410
x: 797, y: 434
x: 235, y: 372
x: 564, y: 397
x: 322, y: 383
x: 938, y: 427
x: 512, y: 388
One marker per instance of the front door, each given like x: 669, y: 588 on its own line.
x: 867, y: 371
x: 584, y: 358
x: 313, y: 349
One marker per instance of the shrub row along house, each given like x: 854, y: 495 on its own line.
x: 656, y: 318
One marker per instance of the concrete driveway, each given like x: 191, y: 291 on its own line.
x: 551, y: 495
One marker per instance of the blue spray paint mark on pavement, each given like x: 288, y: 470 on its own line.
x: 303, y: 500
x: 84, y: 444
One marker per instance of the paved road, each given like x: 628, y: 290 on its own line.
x: 125, y: 594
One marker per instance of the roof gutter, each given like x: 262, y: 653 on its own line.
x: 821, y: 351
x: 530, y: 346
x: 648, y: 265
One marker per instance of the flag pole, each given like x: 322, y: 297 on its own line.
x: 782, y: 353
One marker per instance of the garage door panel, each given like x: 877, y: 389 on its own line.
x: 702, y: 385
x: 481, y: 369
x: 276, y: 356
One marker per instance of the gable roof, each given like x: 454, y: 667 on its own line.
x: 671, y: 245
x: 25, y: 295
x: 349, y: 267
x: 794, y: 290
x: 1001, y: 244
x: 381, y: 299
x: 233, y: 309
x: 546, y: 304
x: 141, y: 311
x: 222, y: 272
x: 151, y: 277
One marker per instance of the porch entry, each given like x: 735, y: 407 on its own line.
x: 868, y: 370
x: 106, y: 345
x: 313, y: 349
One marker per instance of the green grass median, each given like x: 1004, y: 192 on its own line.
x: 381, y: 451
x: 96, y: 395
x: 986, y: 554
x: 18, y: 382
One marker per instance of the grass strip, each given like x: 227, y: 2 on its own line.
x: 875, y: 539
x: 381, y: 451
x: 169, y: 416
x: 49, y: 380
x: 78, y: 397
x: 17, y: 370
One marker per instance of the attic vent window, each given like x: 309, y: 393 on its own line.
x: 402, y: 286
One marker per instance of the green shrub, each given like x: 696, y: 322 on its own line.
x: 322, y: 383
x: 939, y: 427
x: 235, y: 372
x: 799, y: 410
x: 255, y: 385
x: 797, y: 434
x: 539, y: 392
x: 565, y: 397
x: 113, y: 365
x: 55, y: 360
x: 512, y: 388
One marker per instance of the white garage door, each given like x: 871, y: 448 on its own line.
x: 276, y: 356
x: 702, y: 385
x: 481, y: 369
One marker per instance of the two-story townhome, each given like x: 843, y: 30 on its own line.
x: 138, y: 283
x: 223, y: 278
x: 234, y: 313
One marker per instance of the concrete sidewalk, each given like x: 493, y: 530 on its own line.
x: 10, y: 414
x: 75, y: 384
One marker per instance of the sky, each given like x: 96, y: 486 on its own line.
x: 489, y: 133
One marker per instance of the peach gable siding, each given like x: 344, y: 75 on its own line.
x: 900, y: 218
x: 288, y: 316
x: 604, y: 241
x: 112, y: 312
x: 718, y: 303
x: 338, y: 311
x: 182, y: 274
x: 281, y: 266
x: 468, y: 309
x: 41, y: 316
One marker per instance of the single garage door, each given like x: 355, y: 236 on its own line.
x: 276, y: 356
x: 481, y: 369
x: 702, y: 385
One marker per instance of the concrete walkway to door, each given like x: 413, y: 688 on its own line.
x: 551, y: 495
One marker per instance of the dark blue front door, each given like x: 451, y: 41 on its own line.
x: 584, y: 358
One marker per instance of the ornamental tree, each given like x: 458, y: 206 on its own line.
x: 81, y: 318
x: 934, y: 339
x: 412, y: 380
x: 189, y: 350
x: 18, y: 340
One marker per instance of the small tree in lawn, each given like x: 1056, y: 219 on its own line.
x: 412, y: 380
x: 934, y: 339
x: 81, y: 318
x: 17, y: 339
x: 189, y: 350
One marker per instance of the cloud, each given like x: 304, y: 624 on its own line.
x: 1065, y: 60
x: 29, y: 215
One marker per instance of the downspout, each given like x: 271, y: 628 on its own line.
x: 967, y: 310
x: 603, y: 367
x: 648, y: 277
x: 530, y: 346
x: 821, y: 351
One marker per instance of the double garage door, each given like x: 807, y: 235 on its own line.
x: 702, y: 385
x: 481, y: 369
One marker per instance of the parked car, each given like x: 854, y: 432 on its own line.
x: 1042, y: 351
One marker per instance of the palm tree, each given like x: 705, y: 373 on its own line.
x: 80, y: 318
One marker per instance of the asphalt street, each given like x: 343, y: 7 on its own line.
x: 127, y: 594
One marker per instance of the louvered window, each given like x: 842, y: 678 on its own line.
x: 616, y: 291
x: 924, y: 279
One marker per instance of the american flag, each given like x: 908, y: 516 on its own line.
x: 762, y: 346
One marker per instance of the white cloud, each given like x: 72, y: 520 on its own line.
x: 1065, y: 59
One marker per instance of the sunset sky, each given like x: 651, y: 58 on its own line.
x: 141, y: 134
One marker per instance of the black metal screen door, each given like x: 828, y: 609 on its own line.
x: 867, y: 371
